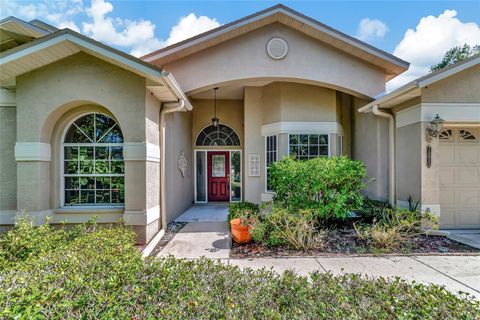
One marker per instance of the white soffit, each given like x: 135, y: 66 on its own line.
x: 18, y: 26
x: 64, y: 43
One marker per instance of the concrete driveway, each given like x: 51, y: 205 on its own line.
x: 468, y: 237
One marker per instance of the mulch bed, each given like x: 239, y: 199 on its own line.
x: 344, y: 242
x: 172, y: 229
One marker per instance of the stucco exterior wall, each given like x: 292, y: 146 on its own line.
x: 408, y: 162
x: 464, y: 87
x: 308, y: 61
x: 230, y: 113
x: 254, y: 143
x: 50, y: 98
x: 178, y: 138
x: 286, y: 103
x: 77, y: 80
x: 8, y: 166
x: 370, y: 145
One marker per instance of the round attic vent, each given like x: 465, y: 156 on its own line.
x: 277, y: 48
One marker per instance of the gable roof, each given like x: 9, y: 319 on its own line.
x: 15, y: 32
x: 281, y: 14
x: 63, y: 43
x: 413, y: 89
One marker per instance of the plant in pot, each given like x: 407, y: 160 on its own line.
x: 241, y: 226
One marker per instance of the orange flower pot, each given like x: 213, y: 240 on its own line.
x: 240, y: 233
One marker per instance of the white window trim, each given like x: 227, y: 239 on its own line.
x: 265, y: 158
x: 62, y: 167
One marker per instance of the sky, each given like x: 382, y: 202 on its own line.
x: 419, y: 32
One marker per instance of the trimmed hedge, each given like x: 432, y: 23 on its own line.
x: 97, y: 273
x: 329, y: 186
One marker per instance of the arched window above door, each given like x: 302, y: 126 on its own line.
x: 217, y: 136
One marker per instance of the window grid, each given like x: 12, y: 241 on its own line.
x: 93, y: 172
x: 308, y: 146
x: 270, y: 156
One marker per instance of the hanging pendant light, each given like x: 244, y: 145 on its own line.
x: 215, y: 120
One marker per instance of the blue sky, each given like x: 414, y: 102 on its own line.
x: 139, y: 27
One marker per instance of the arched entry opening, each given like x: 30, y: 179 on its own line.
x: 218, y: 162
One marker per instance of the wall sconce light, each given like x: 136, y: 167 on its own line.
x: 436, y: 126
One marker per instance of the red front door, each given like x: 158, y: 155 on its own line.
x: 218, y: 176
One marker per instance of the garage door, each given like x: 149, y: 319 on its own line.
x: 459, y: 178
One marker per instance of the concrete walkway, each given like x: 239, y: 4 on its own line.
x: 207, y: 234
x: 456, y: 273
x: 469, y: 237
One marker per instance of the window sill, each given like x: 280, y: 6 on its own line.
x: 89, y: 210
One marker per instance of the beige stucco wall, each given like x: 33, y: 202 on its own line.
x: 344, y: 113
x: 408, y: 162
x: 370, y: 145
x: 308, y: 61
x: 230, y: 113
x: 49, y: 98
x: 178, y: 138
x: 286, y: 102
x: 462, y: 87
x: 8, y: 166
x: 254, y: 143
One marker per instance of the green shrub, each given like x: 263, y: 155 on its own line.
x: 97, y: 273
x: 297, y: 229
x: 394, y: 227
x: 243, y: 209
x: 373, y: 210
x: 329, y: 186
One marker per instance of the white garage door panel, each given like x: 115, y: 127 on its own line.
x: 466, y: 176
x: 459, y: 156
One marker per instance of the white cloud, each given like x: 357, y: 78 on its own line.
x: 59, y: 13
x: 431, y: 39
x: 190, y: 26
x: 369, y: 29
x: 138, y: 35
x: 98, y: 22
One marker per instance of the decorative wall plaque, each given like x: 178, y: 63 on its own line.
x: 254, y: 165
x: 182, y: 164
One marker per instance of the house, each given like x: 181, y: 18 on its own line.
x: 88, y: 130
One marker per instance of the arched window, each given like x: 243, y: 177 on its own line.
x: 93, y: 162
x: 218, y: 136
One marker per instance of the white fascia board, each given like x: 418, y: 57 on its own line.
x: 332, y: 33
x: 144, y: 70
x: 172, y: 84
x: 207, y: 37
x: 389, y: 96
x: 447, y: 73
x: 33, y: 49
x: 141, y: 69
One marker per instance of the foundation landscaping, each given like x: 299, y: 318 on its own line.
x: 318, y: 209
x: 93, y: 272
